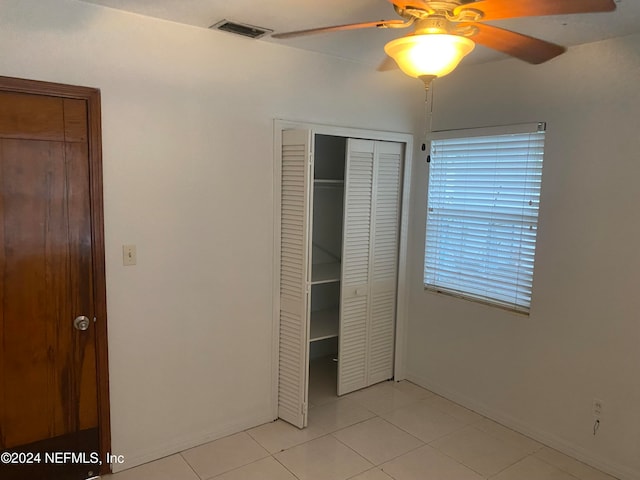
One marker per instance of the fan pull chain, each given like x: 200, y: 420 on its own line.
x: 428, y: 106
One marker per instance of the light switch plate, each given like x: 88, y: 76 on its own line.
x: 129, y: 256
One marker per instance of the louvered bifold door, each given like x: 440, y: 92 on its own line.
x: 384, y: 260
x: 354, y: 303
x: 294, y: 268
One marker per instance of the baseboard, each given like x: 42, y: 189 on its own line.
x: 185, y: 442
x: 547, y: 438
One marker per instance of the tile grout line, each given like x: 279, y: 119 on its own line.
x: 378, y: 467
x: 509, y: 466
x: 336, y: 439
x: 563, y: 469
x: 470, y: 467
x: 284, y: 466
x: 459, y: 462
x: 424, y: 444
x: 429, y: 442
x: 232, y: 469
x: 322, y: 435
x: 373, y: 465
x: 251, y: 463
x: 189, y: 465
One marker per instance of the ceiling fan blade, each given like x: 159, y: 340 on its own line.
x: 387, y: 64
x: 530, y: 49
x: 404, y: 4
x: 337, y: 28
x: 499, y: 9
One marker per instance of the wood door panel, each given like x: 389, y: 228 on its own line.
x: 2, y: 293
x: 75, y: 120
x: 34, y: 228
x: 31, y: 117
x: 83, y: 385
x: 49, y: 367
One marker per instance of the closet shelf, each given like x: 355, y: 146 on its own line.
x: 324, y: 324
x: 325, y: 273
x: 321, y: 182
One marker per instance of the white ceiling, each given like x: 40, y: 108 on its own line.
x: 366, y: 46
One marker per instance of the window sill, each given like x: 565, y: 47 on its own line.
x: 439, y: 291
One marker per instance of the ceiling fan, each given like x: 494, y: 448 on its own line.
x: 447, y: 30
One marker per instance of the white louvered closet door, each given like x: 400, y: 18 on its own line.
x: 354, y: 303
x: 383, y: 273
x: 294, y: 276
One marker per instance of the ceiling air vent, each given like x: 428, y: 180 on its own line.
x: 240, y: 29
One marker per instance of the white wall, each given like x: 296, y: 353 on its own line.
x: 582, y: 340
x: 188, y: 164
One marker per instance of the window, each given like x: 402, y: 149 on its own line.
x: 482, y: 213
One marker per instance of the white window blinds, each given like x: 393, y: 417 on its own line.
x: 482, y: 214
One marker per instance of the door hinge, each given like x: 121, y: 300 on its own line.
x: 303, y: 408
x: 95, y: 319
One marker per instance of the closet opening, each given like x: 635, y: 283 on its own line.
x: 326, y: 259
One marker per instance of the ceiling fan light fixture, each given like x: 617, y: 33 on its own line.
x: 429, y: 55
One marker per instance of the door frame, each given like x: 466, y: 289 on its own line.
x: 92, y: 97
x: 403, y: 272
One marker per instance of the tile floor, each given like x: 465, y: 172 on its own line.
x: 388, y: 431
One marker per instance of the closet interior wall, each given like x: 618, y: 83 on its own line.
x: 326, y: 263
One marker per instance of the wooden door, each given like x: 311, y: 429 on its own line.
x: 49, y: 369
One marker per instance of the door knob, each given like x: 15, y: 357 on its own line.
x: 81, y: 323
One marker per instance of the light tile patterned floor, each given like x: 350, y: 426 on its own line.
x: 391, y: 431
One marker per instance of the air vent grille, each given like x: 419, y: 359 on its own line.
x: 243, y: 29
